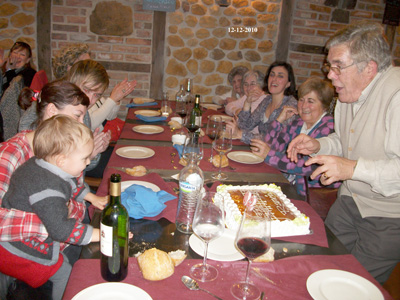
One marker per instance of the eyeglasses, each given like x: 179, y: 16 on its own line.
x: 335, y: 69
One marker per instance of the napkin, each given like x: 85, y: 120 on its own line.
x: 141, y: 201
x: 179, y: 148
x: 141, y: 104
x: 151, y: 119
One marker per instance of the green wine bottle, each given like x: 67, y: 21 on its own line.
x: 194, y: 123
x: 114, y: 230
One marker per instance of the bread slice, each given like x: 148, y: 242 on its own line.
x: 267, y: 257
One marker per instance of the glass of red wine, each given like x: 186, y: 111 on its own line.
x: 181, y: 109
x: 253, y: 239
x: 214, y: 124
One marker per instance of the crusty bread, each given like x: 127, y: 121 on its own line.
x: 155, y: 264
x: 177, y: 256
x: 267, y: 257
x: 216, y: 161
x: 136, y: 171
x: 174, y: 125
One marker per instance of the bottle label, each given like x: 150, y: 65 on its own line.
x: 198, y: 121
x: 106, y: 240
x: 187, y: 187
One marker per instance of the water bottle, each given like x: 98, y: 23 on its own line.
x: 190, y: 185
x: 179, y: 96
x: 114, y: 228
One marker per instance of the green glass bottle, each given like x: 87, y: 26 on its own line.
x: 194, y: 122
x: 114, y: 229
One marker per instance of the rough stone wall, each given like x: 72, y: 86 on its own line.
x: 18, y: 22
x: 204, y: 41
x: 315, y: 21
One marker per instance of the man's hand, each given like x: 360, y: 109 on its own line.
x: 302, y: 144
x: 332, y: 168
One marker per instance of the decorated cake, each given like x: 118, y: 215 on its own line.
x: 286, y: 219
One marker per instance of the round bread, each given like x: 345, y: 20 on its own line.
x: 224, y: 162
x: 136, y: 171
x: 156, y: 264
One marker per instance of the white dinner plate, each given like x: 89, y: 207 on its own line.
x: 126, y: 184
x: 220, y: 249
x: 147, y: 112
x: 224, y: 118
x: 244, y: 157
x: 140, y: 100
x: 148, y: 129
x: 135, y: 152
x: 112, y: 290
x: 337, y: 284
x: 211, y: 105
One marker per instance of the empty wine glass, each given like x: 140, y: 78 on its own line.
x: 208, y: 224
x: 213, y: 125
x: 253, y: 239
x: 193, y: 144
x: 222, y: 144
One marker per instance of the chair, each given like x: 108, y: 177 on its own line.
x: 321, y: 199
x: 39, y: 80
x: 9, y: 108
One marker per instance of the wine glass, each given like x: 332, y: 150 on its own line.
x: 213, y: 125
x: 222, y: 144
x: 181, y: 109
x: 253, y: 239
x: 208, y: 224
x: 193, y: 144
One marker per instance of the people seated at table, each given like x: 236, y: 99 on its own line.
x: 235, y: 78
x: 252, y: 85
x: 44, y: 185
x: 312, y: 117
x: 364, y: 151
x: 281, y: 88
x: 58, y: 97
x: 17, y: 63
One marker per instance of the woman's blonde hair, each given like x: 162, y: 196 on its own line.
x: 88, y: 74
x: 66, y: 57
x: 59, y: 135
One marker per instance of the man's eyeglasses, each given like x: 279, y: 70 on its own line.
x: 335, y: 69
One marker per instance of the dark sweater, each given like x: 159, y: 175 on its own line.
x: 42, y: 188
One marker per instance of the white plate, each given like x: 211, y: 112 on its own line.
x: 126, y: 184
x: 112, y: 290
x: 224, y: 118
x: 147, y: 112
x: 220, y: 249
x: 135, y: 152
x: 244, y: 157
x: 211, y: 105
x: 337, y: 284
x: 148, y: 129
x: 141, y: 100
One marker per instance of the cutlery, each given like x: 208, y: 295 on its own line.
x: 262, y: 296
x: 192, y: 285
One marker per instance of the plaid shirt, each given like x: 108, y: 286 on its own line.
x: 16, y: 225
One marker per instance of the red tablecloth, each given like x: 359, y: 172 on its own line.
x: 282, y: 279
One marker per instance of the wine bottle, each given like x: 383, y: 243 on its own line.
x: 188, y: 96
x: 194, y: 123
x: 114, y: 228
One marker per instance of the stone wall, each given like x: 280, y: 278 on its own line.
x: 204, y: 41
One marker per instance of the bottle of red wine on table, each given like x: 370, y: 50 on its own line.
x: 114, y: 228
x: 194, y: 121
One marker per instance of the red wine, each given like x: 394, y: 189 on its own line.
x: 192, y: 128
x: 182, y: 114
x: 212, y: 136
x: 252, y: 247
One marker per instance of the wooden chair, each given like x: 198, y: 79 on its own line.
x: 321, y: 199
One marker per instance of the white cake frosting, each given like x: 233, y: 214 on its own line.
x: 300, y: 225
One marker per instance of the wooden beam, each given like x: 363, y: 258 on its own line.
x: 282, y: 47
x: 157, y: 72
x: 43, y: 26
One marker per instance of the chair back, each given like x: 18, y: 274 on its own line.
x: 39, y: 80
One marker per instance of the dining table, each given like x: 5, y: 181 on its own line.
x: 296, y: 258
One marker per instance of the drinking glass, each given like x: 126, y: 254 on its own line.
x: 213, y: 125
x: 193, y: 144
x: 253, y: 239
x: 165, y: 106
x: 208, y: 224
x: 222, y: 144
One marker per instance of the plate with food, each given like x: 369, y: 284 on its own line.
x: 135, y: 152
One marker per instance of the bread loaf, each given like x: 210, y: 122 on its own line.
x: 136, y: 171
x: 155, y: 264
x: 216, y: 161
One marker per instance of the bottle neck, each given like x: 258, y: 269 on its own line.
x: 115, y: 192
